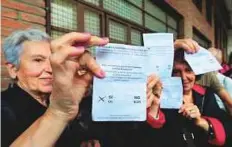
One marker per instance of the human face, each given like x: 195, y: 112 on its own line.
x: 34, y: 73
x: 188, y: 77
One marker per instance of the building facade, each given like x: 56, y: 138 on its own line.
x: 123, y: 21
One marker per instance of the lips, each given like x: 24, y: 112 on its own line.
x: 186, y: 84
x: 47, y: 79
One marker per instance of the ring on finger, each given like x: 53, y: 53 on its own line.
x: 156, y: 93
x: 192, y: 111
x: 82, y: 71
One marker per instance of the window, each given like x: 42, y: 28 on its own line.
x: 63, y: 17
x: 117, y: 31
x: 94, y: 2
x: 198, y: 4
x: 124, y: 9
x: 155, y: 11
x: 136, y: 37
x: 92, y: 22
x: 158, y: 20
x: 209, y: 7
x: 220, y: 35
x: 154, y: 24
x: 123, y: 21
x: 221, y: 21
x: 202, y: 40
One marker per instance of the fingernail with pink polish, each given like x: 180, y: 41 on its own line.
x: 86, y: 33
x: 80, y: 47
x: 105, y: 38
x: 101, y: 74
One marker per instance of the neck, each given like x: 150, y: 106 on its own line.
x: 38, y: 96
x: 188, y: 97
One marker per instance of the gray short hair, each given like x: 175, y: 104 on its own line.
x: 12, y: 46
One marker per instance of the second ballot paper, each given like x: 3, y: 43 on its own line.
x: 121, y: 95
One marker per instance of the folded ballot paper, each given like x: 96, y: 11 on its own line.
x: 121, y: 95
x: 202, y: 62
x: 161, y: 55
x: 172, y: 93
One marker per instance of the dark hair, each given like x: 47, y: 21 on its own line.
x: 179, y: 57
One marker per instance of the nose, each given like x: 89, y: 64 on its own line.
x: 183, y: 76
x: 48, y: 67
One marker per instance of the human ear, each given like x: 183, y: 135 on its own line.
x: 12, y: 70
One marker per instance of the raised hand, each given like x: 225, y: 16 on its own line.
x: 154, y: 89
x: 190, y: 111
x: 189, y: 45
x: 69, y: 57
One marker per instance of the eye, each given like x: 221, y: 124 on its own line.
x: 38, y: 60
x: 188, y: 70
x: 175, y: 72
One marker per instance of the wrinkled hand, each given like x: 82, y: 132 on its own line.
x: 154, y: 89
x: 68, y: 56
x: 190, y: 111
x: 189, y: 45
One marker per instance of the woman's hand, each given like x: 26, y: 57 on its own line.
x: 154, y: 89
x: 189, y: 45
x: 191, y: 111
x: 68, y: 59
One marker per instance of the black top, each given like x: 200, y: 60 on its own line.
x: 176, y: 125
x: 19, y: 110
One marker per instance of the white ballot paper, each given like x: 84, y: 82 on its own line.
x: 172, y: 94
x: 202, y: 62
x: 161, y: 53
x: 121, y: 95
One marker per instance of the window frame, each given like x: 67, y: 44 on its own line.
x: 202, y: 37
x: 104, y: 14
x: 82, y: 19
x: 209, y: 11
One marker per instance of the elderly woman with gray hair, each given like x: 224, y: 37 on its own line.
x: 47, y: 89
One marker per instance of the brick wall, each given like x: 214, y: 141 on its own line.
x: 19, y: 14
x: 193, y: 18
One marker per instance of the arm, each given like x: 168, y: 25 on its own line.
x: 68, y: 88
x: 191, y: 111
x: 226, y: 98
x: 211, y: 126
x: 43, y: 132
x: 155, y: 117
x: 220, y: 91
x: 216, y: 132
